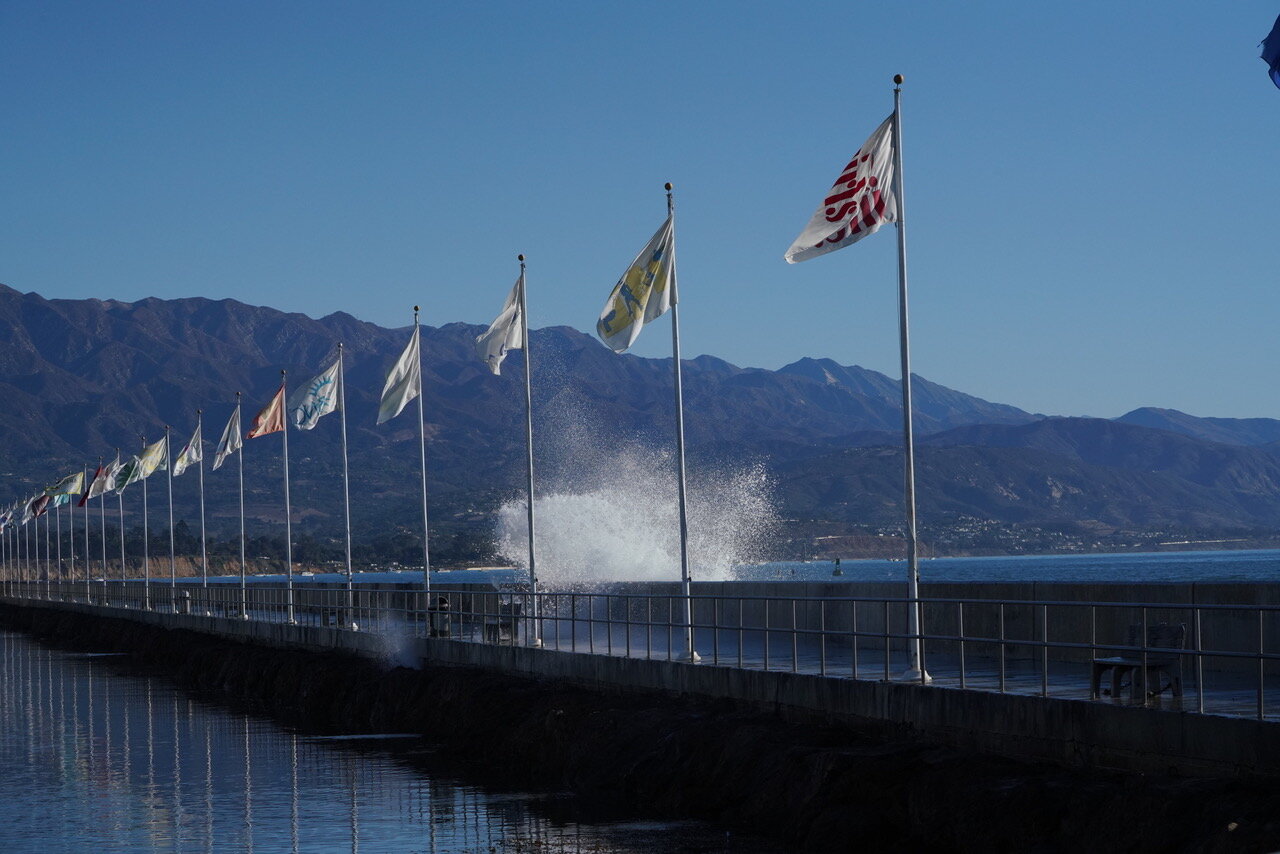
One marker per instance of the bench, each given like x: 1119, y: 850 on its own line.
x: 1162, y: 640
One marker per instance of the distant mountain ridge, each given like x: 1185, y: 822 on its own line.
x: 1230, y: 431
x: 83, y: 377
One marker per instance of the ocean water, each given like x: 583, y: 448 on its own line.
x: 1171, y: 567
x: 98, y: 756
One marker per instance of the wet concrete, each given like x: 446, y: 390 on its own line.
x: 813, y: 786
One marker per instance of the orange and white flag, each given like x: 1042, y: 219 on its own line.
x: 270, y: 419
x: 860, y: 201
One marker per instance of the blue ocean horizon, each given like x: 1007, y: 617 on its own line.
x: 1255, y: 565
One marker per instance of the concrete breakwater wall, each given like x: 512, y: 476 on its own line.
x: 818, y: 764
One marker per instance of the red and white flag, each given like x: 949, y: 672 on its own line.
x: 270, y: 419
x: 860, y: 201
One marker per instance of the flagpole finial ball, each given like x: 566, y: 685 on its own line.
x: 897, y: 78
x: 668, y: 186
x: 415, y: 308
x: 520, y: 258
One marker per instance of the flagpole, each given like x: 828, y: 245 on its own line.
x: 288, y: 520
x: 120, y: 507
x: 346, y: 486
x: 915, y: 669
x: 146, y: 541
x: 173, y: 561
x: 88, y: 592
x: 102, y: 507
x: 48, y: 555
x: 204, y: 549
x: 244, y: 585
x: 690, y: 654
x: 57, y: 513
x: 422, y: 434
x: 528, y: 445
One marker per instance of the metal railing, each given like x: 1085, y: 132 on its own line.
x: 1224, y: 660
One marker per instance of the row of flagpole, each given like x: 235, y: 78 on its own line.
x: 867, y: 194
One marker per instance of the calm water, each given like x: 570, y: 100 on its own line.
x: 96, y: 756
x: 1181, y: 567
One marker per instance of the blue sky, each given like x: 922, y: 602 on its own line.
x: 1091, y: 188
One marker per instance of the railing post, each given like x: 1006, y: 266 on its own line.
x: 1044, y: 650
x: 715, y: 629
x: 853, y: 637
x: 766, y: 633
x: 1144, y: 657
x: 1002, y: 666
x: 960, y: 633
x: 822, y: 637
x: 886, y: 640
x: 1262, y: 668
x: 795, y: 644
x: 741, y: 632
x: 1199, y: 663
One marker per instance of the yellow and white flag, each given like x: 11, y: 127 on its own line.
x: 154, y: 457
x: 645, y: 291
x: 72, y: 484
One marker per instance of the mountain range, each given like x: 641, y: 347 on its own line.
x: 81, y: 378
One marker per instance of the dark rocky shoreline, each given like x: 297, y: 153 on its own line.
x: 808, y: 785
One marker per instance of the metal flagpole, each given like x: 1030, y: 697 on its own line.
x: 102, y: 506
x: 244, y: 585
x: 690, y: 654
x: 346, y: 487
x: 422, y: 433
x: 173, y: 561
x: 204, y: 549
x: 288, y: 521
x: 57, y: 514
x: 915, y: 670
x: 120, y: 507
x: 48, y: 554
x: 88, y: 593
x: 528, y: 445
x: 146, y: 543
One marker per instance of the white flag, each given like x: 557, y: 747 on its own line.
x: 860, y: 201
x: 644, y: 293
x: 503, y: 334
x: 316, y: 398
x: 192, y: 452
x: 404, y: 383
x: 105, y: 482
x: 230, y: 441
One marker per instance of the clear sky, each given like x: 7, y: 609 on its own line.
x: 1091, y: 187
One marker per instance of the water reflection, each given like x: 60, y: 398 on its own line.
x: 95, y: 756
